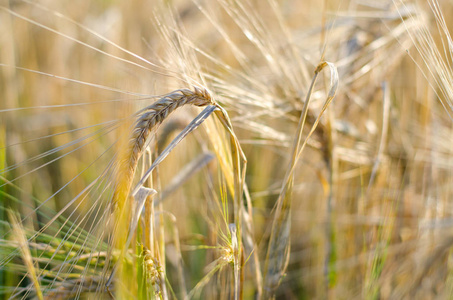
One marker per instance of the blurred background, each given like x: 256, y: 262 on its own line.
x: 372, y: 199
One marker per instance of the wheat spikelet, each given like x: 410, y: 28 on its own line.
x: 148, y: 119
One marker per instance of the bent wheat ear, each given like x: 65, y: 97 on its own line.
x: 150, y: 118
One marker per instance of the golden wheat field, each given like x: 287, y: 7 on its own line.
x: 226, y: 149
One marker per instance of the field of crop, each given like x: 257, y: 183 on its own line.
x: 226, y: 149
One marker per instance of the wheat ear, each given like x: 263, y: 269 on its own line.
x: 148, y: 119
